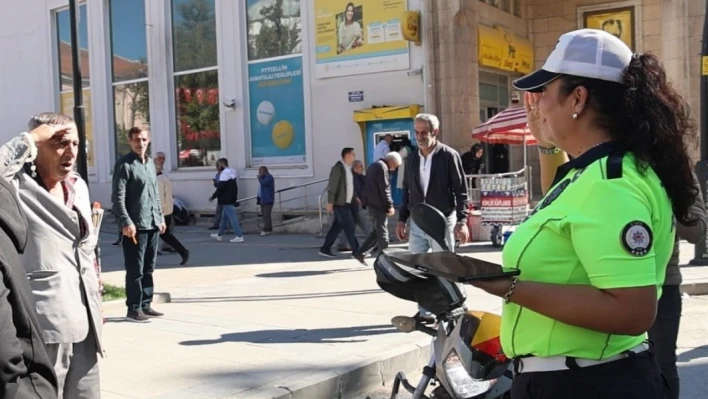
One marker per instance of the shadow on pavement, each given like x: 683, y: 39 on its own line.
x: 260, y: 298
x: 693, y: 354
x: 305, y: 273
x: 303, y: 335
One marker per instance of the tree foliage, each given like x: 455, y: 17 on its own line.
x: 279, y: 33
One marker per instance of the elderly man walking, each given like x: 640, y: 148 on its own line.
x: 435, y: 176
x: 378, y: 200
x: 59, y: 257
x: 136, y: 204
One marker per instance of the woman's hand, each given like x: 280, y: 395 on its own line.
x: 537, y: 122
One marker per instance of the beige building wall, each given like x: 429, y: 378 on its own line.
x: 670, y: 28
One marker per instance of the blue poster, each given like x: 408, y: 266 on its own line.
x: 277, y: 109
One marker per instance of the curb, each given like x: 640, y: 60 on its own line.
x: 700, y: 288
x: 158, y: 297
x: 345, y: 380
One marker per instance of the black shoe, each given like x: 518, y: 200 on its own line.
x: 117, y: 243
x: 327, y: 253
x: 185, y: 257
x: 214, y: 228
x: 360, y: 257
x: 137, y: 316
x: 152, y: 312
x: 344, y: 249
x: 160, y: 253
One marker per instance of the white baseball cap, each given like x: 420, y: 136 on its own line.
x: 587, y: 53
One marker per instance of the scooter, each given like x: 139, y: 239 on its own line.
x: 466, y: 360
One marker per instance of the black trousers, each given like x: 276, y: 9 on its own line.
x: 379, y: 236
x: 343, y: 220
x: 635, y: 377
x: 170, y: 239
x: 140, y: 259
x: 664, y: 334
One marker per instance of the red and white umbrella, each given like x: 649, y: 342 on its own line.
x: 507, y: 127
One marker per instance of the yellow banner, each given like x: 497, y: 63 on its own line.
x: 501, y: 49
x: 363, y: 36
x: 67, y: 108
x: 618, y: 22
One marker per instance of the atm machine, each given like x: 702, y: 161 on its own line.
x: 375, y: 123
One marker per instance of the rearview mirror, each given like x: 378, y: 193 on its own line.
x: 432, y: 222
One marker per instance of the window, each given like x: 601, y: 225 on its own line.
x: 275, y: 82
x: 510, y: 6
x: 196, y: 82
x: 131, y: 104
x: 66, y: 74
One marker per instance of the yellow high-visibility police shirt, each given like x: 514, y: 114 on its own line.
x: 603, y: 223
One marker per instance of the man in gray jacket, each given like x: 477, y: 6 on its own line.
x: 341, y: 199
x: 59, y: 257
x: 378, y: 201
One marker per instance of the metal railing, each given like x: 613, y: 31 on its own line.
x: 474, y: 182
x: 473, y: 189
x: 287, y: 199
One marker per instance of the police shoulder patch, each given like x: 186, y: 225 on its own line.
x: 637, y: 238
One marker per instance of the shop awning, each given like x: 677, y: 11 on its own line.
x: 386, y: 113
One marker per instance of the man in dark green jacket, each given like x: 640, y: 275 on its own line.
x: 136, y: 205
x: 341, y: 200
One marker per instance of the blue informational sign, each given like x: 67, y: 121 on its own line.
x: 277, y: 111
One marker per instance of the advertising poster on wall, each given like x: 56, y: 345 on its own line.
x: 277, y: 111
x: 67, y: 108
x: 619, y: 22
x: 363, y: 36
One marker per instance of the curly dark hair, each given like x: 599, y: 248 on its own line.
x: 647, y: 117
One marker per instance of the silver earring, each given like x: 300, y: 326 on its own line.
x: 575, y: 115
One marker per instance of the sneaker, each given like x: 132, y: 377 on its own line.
x: 236, y: 239
x: 327, y: 253
x: 149, y: 311
x: 265, y: 233
x: 216, y: 237
x: 137, y: 316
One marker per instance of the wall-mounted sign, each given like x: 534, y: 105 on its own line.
x: 504, y: 50
x: 411, y: 26
x: 617, y: 21
x: 364, y: 36
x: 356, y: 96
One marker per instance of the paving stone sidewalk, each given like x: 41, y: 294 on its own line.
x: 260, y: 320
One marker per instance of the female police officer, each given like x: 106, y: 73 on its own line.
x: 593, y: 253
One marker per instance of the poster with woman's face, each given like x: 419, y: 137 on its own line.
x: 618, y: 22
x: 350, y: 31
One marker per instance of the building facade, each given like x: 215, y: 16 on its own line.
x: 288, y: 83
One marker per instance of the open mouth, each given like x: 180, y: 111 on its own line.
x: 67, y: 165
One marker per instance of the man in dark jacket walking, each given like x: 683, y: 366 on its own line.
x: 226, y: 195
x: 26, y: 371
x: 341, y: 199
x: 435, y: 176
x: 266, y: 198
x: 378, y: 201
